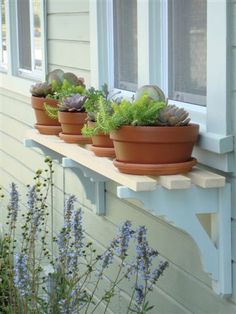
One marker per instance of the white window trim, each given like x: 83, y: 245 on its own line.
x: 13, y: 64
x: 3, y: 66
x: 215, y: 147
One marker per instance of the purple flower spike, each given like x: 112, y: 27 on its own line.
x: 13, y: 203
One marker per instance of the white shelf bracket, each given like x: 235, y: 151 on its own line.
x: 93, y: 182
x: 180, y: 208
x: 94, y: 177
x: 47, y: 151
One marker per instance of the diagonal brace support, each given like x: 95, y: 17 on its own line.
x: 95, y: 178
x: 48, y: 152
x: 180, y: 209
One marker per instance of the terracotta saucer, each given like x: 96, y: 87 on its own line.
x: 155, y: 169
x: 48, y: 129
x: 103, y: 151
x: 76, y: 139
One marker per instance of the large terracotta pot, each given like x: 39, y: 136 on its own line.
x: 155, y: 150
x: 72, y: 123
x: 102, y: 145
x: 44, y: 124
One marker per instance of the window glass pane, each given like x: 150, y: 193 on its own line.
x: 187, y: 50
x: 24, y: 34
x: 3, y: 35
x: 37, y: 35
x: 125, y: 44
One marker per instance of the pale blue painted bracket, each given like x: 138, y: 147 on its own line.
x: 95, y: 178
x: 93, y: 182
x: 47, y: 151
x: 180, y: 209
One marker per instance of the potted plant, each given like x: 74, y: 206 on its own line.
x: 151, y: 137
x: 72, y: 116
x: 58, y: 84
x: 98, y: 100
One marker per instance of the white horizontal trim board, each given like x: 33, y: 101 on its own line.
x: 57, y: 6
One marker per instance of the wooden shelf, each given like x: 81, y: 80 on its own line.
x: 176, y: 198
x: 104, y: 166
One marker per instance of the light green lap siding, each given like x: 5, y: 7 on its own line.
x: 68, y: 27
x: 185, y: 288
x: 68, y: 6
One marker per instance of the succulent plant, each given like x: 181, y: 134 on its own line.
x: 41, y: 89
x: 59, y: 76
x: 74, y: 103
x: 152, y: 91
x: 172, y: 115
x: 58, y: 84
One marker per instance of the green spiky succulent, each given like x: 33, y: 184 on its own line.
x: 172, y: 115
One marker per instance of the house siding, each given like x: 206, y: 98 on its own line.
x: 184, y: 288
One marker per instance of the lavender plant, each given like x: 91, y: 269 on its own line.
x: 71, y: 281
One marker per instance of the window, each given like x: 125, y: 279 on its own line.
x: 22, y: 47
x: 3, y: 36
x: 125, y: 44
x: 29, y: 37
x: 187, y: 23
x: 176, y: 43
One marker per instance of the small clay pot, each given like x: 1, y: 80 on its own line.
x: 102, y: 144
x: 144, y: 145
x: 41, y: 116
x: 45, y: 125
x: 72, y: 123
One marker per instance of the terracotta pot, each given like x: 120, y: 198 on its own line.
x: 155, y: 146
x: 41, y: 116
x: 72, y: 123
x: 102, y: 144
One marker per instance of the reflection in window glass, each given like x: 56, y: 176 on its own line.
x: 3, y: 35
x: 29, y: 35
x: 24, y: 35
x: 188, y: 50
x: 125, y: 44
x: 37, y: 35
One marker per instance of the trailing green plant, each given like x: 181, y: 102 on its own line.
x: 93, y: 96
x: 103, y: 116
x: 68, y: 282
x: 99, y: 107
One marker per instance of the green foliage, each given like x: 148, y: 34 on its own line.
x: 72, y: 278
x: 140, y: 112
x: 51, y: 111
x: 6, y: 272
x: 58, y: 85
x: 93, y: 96
x: 60, y: 91
x: 103, y: 118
